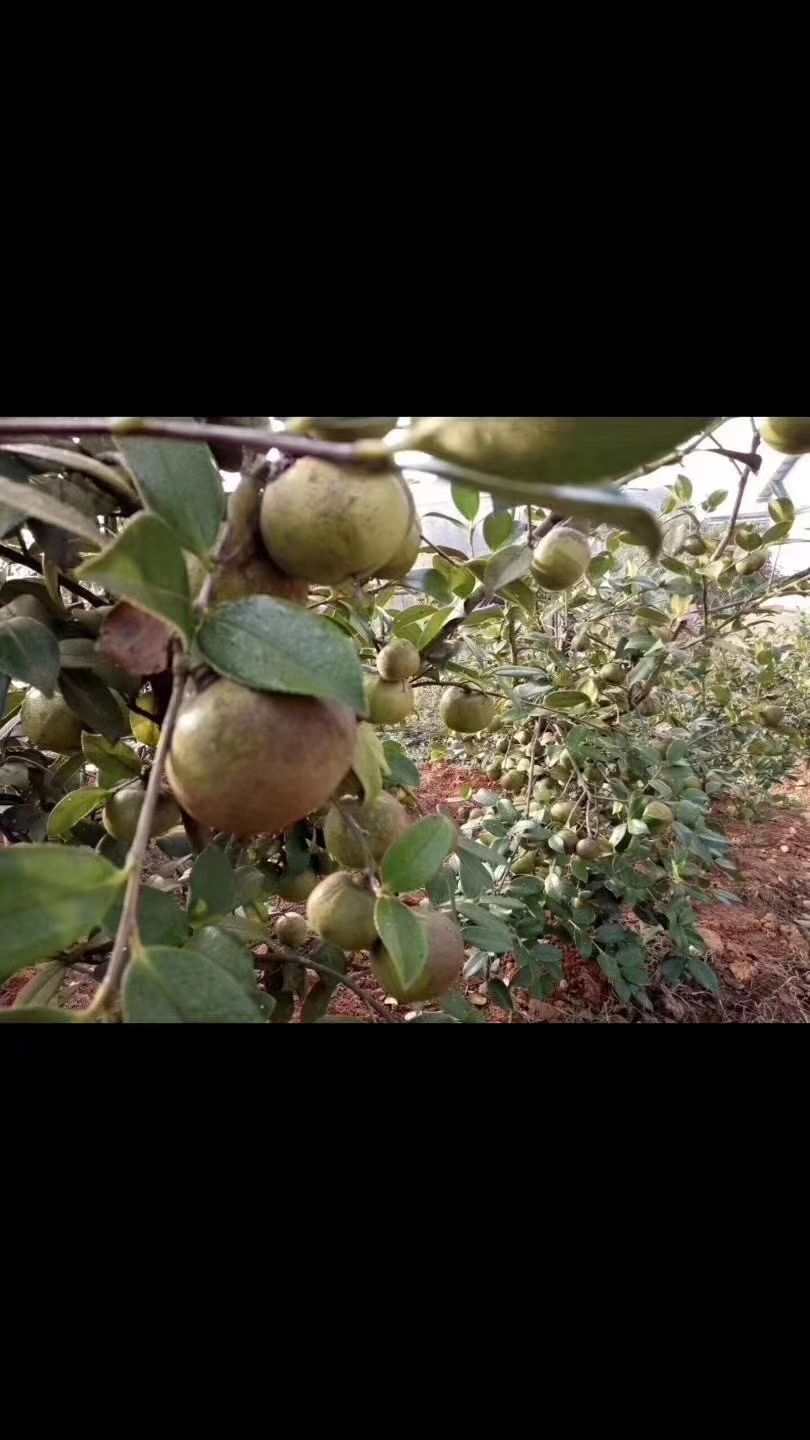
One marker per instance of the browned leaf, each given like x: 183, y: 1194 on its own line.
x: 134, y: 640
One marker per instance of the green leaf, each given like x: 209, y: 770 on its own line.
x: 676, y: 750
x: 401, y: 768
x: 422, y: 850
x: 473, y: 874
x: 403, y: 937
x: 466, y: 501
x: 369, y: 762
x: 168, y: 986
x: 212, y: 888
x: 39, y: 1015
x: 616, y: 835
x: 507, y: 566
x: 650, y: 616
x: 777, y: 532
x: 782, y: 511
x: 230, y: 953
x: 566, y: 699
x: 29, y: 651
x: 49, y: 898
x: 499, y: 995
x: 703, y: 974
x: 97, y: 707
x: 35, y: 504
x: 459, y: 1008
x: 712, y: 501
x: 160, y: 919
x: 682, y: 489
x: 181, y: 484
x: 145, y: 564
x: 434, y: 627
x: 114, y: 761
x: 274, y: 645
x: 318, y: 997
x: 495, y: 937
x: 498, y: 527
x: 11, y: 469
x: 72, y: 808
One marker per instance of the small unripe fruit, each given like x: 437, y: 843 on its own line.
x: 789, y: 435
x: 443, y: 966
x: 341, y: 912
x: 650, y: 705
x: 123, y: 810
x: 524, y: 865
x: 466, y: 711
x: 324, y: 522
x: 543, y: 792
x: 568, y: 840
x: 612, y: 674
x: 694, y: 545
x: 295, y: 887
x: 494, y: 769
x: 751, y: 563
x: 562, y: 809
x: 513, y: 782
x: 383, y: 819
x: 389, y: 702
x: 145, y: 731
x: 51, y: 724
x: 589, y: 849
x: 502, y: 745
x: 291, y: 931
x: 398, y: 660
x: 561, y: 558
x: 772, y: 715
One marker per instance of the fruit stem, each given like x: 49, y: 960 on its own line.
x: 128, y: 924
x: 291, y: 957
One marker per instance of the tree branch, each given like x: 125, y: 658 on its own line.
x: 368, y: 1000
x: 744, y: 478
x: 30, y: 562
x: 127, y: 925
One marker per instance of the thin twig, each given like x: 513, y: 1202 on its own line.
x: 531, y: 764
x: 340, y: 453
x: 127, y: 925
x: 30, y: 562
x: 368, y: 1000
x: 744, y: 478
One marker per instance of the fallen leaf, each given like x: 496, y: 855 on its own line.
x: 479, y: 1000
x: 134, y: 640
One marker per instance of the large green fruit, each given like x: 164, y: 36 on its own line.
x: 443, y: 967
x: 553, y: 450
x: 389, y: 702
x: 250, y: 763
x: 751, y: 563
x: 561, y: 558
x: 657, y: 810
x: 562, y: 809
x: 145, y: 731
x: 525, y: 864
x: 404, y: 557
x: 291, y: 931
x: 323, y: 523
x: 589, y: 849
x: 398, y: 660
x: 383, y: 819
x: 466, y: 711
x: 772, y: 716
x: 341, y: 912
x: 122, y: 812
x: 51, y: 724
x: 514, y: 781
x: 789, y: 435
x: 612, y: 674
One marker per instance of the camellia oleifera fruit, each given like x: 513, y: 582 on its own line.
x: 382, y: 819
x: 398, y: 660
x: 789, y: 435
x: 561, y: 558
x: 389, y: 702
x: 50, y: 724
x: 291, y: 931
x: 772, y: 716
x: 324, y: 523
x: 466, y: 711
x: 404, y: 557
x: 341, y: 911
x: 146, y: 732
x: 297, y: 887
x: 549, y: 450
x: 443, y: 967
x: 514, y: 782
x: 751, y: 563
x: 122, y: 812
x: 251, y: 763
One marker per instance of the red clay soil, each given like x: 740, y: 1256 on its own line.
x: 759, y: 948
